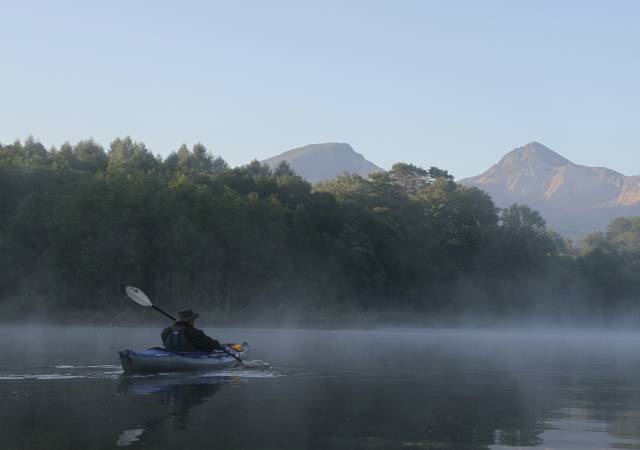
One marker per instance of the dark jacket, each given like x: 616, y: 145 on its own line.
x: 183, y: 337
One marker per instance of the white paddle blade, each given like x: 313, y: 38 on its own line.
x: 138, y: 296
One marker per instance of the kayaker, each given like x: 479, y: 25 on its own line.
x: 182, y: 336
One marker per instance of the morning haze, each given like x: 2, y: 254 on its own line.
x: 278, y: 225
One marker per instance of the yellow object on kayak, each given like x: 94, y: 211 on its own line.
x: 235, y: 347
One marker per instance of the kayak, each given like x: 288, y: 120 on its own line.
x: 160, y: 360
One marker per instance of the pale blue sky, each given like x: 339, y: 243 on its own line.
x: 447, y: 83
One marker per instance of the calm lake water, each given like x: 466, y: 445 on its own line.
x: 62, y: 388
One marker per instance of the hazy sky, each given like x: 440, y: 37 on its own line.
x: 452, y: 84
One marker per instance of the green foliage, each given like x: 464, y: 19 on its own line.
x: 78, y: 223
x: 524, y: 230
x: 624, y: 234
x: 611, y: 262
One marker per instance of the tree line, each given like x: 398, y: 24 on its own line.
x: 78, y: 223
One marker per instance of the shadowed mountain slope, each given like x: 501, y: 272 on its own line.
x: 319, y: 162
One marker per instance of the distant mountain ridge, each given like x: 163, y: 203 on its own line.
x: 320, y: 162
x: 574, y: 199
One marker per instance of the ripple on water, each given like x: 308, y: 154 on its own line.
x: 113, y: 371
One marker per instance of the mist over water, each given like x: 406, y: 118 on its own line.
x: 62, y: 387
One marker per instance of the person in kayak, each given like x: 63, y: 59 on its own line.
x: 182, y: 336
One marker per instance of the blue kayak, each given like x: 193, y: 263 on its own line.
x: 160, y: 360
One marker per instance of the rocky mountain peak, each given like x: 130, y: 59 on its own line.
x: 534, y: 154
x: 574, y: 199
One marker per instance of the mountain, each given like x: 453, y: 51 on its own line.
x: 319, y: 162
x: 573, y: 199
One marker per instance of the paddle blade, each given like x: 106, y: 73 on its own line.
x: 138, y: 296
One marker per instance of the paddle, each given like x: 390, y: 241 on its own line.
x: 141, y: 299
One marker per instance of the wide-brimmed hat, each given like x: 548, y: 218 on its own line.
x: 187, y: 314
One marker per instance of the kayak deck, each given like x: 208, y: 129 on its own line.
x: 160, y: 360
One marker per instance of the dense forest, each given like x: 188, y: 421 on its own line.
x: 78, y: 223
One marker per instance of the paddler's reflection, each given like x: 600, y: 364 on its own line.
x: 178, y: 393
x: 180, y: 399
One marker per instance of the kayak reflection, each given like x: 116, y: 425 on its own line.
x: 179, y: 392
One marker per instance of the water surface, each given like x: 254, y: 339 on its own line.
x: 62, y: 388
